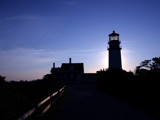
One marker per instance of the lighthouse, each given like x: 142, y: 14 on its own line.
x: 114, y: 50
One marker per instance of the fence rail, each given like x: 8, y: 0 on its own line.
x: 31, y: 111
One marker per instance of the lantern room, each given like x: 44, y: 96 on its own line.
x: 113, y: 36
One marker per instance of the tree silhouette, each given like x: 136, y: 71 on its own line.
x: 2, y: 80
x: 148, y: 66
x: 155, y: 64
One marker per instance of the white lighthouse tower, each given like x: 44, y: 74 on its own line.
x: 114, y: 51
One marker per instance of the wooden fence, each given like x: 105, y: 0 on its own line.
x: 31, y: 111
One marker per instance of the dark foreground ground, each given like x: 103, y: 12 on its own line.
x: 86, y: 102
x: 16, y: 98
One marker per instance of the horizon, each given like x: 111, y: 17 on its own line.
x: 34, y: 34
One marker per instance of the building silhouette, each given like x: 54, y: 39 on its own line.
x: 69, y: 72
x: 72, y: 73
x: 114, y: 51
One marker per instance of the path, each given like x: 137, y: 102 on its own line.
x: 86, y: 102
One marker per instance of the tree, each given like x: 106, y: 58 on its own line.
x: 146, y: 66
x: 2, y: 80
x: 155, y: 66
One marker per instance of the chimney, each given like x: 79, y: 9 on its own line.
x: 70, y: 60
x: 53, y: 65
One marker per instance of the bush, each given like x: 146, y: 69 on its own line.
x: 113, y: 80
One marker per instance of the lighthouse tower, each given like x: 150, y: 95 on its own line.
x: 114, y: 51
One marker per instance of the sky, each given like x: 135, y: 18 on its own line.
x: 36, y: 33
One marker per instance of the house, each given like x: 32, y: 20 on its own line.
x: 69, y: 72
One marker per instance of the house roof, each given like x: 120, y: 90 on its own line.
x: 55, y: 70
x: 72, y: 67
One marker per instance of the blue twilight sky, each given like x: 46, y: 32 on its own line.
x: 36, y: 33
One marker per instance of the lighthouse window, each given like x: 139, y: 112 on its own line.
x: 114, y: 38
